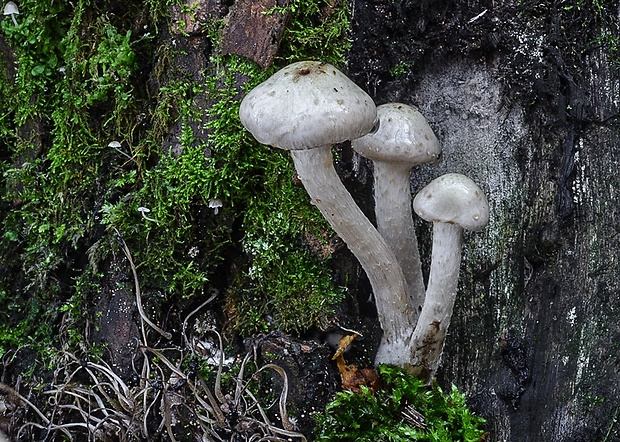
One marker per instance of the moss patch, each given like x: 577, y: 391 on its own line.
x: 402, y: 409
x: 81, y: 76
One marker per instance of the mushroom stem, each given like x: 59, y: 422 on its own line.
x: 394, y: 308
x: 430, y: 332
x: 395, y: 223
x: 11, y: 9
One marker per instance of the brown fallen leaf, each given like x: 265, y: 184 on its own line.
x: 351, y: 376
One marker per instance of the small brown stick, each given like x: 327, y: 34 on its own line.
x: 165, y: 334
x: 20, y: 400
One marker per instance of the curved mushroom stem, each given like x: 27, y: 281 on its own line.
x: 395, y: 223
x: 394, y: 308
x: 430, y: 332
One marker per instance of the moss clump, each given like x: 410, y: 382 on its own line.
x: 79, y: 78
x: 318, y: 30
x: 380, y: 416
x: 62, y: 102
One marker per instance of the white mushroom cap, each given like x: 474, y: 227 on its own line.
x: 10, y: 9
x: 404, y: 136
x: 215, y: 203
x: 453, y: 198
x: 306, y: 105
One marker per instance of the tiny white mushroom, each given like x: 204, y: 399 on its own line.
x: 305, y: 108
x: 404, y: 139
x: 11, y: 9
x: 116, y: 146
x: 452, y: 202
x: 215, y: 204
x: 144, y: 211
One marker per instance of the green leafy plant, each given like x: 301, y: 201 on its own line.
x: 403, y: 409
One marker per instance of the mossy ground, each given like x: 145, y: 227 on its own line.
x: 78, y: 76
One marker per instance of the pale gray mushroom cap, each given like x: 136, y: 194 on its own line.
x: 11, y: 9
x: 404, y: 136
x: 216, y: 204
x: 453, y: 198
x: 306, y: 105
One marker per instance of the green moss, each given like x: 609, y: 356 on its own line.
x: 66, y: 101
x: 401, y: 68
x: 285, y: 286
x: 81, y: 82
x: 318, y: 30
x: 377, y: 417
x: 28, y: 331
x: 283, y: 283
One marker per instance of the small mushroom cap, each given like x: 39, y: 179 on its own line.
x: 404, y: 136
x: 453, y: 198
x: 10, y: 9
x: 306, y: 105
x: 144, y: 209
x: 215, y: 203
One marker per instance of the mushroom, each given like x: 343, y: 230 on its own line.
x: 11, y: 9
x: 144, y: 211
x: 452, y: 202
x: 215, y: 204
x: 305, y: 108
x: 116, y: 146
x: 404, y: 140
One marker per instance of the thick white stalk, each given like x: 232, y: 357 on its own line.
x: 395, y: 223
x: 430, y: 332
x: 396, y: 315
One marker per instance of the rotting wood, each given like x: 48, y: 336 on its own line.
x: 190, y: 19
x: 254, y: 30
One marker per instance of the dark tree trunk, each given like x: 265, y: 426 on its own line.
x: 527, y: 106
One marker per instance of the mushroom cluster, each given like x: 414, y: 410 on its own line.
x: 404, y: 140
x: 307, y: 107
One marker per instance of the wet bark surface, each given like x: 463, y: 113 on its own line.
x: 254, y: 33
x: 116, y: 328
x: 533, y: 341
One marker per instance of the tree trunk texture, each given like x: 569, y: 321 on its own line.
x: 526, y: 105
x: 524, y: 96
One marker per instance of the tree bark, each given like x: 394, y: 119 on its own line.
x: 533, y: 340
